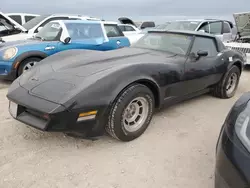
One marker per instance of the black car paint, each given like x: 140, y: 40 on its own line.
x: 232, y: 168
x: 91, y: 80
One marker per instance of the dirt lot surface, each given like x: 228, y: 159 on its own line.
x: 176, y: 151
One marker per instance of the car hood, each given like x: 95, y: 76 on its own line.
x: 72, y: 74
x: 242, y: 21
x: 7, y: 21
x: 20, y: 43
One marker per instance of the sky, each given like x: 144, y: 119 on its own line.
x: 156, y: 10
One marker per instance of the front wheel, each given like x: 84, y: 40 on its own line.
x: 27, y: 64
x: 228, y: 85
x: 131, y: 113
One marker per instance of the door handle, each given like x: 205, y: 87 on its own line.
x: 50, y: 48
x: 118, y: 42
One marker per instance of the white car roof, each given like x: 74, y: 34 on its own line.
x: 25, y: 14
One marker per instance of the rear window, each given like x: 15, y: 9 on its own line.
x: 17, y: 18
x: 113, y: 30
x: 28, y: 18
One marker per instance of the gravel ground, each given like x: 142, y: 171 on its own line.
x: 176, y: 151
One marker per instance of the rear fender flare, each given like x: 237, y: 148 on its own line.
x: 236, y: 61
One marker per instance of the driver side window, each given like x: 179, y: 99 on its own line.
x: 204, y: 44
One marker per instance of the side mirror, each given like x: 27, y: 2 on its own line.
x: 66, y: 40
x: 201, y: 53
x: 203, y: 31
x: 39, y: 29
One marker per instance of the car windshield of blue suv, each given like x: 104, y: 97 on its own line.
x: 50, y: 32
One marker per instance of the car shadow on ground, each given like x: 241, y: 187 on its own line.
x: 4, y: 84
x: 247, y: 68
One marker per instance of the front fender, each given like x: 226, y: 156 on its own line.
x: 104, y: 87
x: 25, y: 55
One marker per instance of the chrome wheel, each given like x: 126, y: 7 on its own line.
x: 29, y: 65
x: 231, y: 83
x: 135, y: 114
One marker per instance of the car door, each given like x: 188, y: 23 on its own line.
x: 116, y: 38
x: 202, y: 71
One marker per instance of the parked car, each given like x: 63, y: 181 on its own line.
x: 90, y: 91
x: 9, y: 26
x: 220, y: 28
x: 139, y: 24
x: 242, y: 39
x: 130, y: 31
x: 33, y: 26
x: 22, y: 18
x: 233, y: 147
x: 19, y: 56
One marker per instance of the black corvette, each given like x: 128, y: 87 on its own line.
x: 233, y: 147
x: 88, y: 92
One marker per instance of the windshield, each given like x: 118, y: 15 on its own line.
x: 78, y: 31
x: 168, y: 42
x: 182, y: 25
x: 32, y: 23
x: 50, y: 32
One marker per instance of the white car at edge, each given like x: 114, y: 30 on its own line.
x: 32, y: 27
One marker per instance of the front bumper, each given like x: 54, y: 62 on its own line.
x: 231, y: 164
x: 6, y: 70
x: 48, y: 116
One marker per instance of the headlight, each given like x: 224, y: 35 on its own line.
x: 9, y: 53
x: 242, y: 127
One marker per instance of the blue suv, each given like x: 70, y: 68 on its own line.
x: 19, y: 56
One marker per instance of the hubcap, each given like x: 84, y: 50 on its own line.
x: 135, y: 114
x: 231, y: 84
x: 29, y: 65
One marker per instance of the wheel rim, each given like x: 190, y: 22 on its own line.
x: 231, y: 83
x: 135, y: 114
x: 29, y: 65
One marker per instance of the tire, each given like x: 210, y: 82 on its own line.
x: 25, y: 62
x: 221, y: 90
x: 136, y: 96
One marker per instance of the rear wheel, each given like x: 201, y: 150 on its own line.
x: 27, y: 64
x: 131, y: 113
x: 228, y: 85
